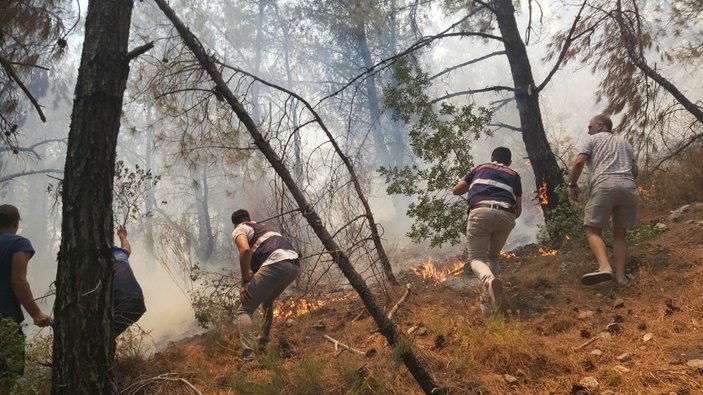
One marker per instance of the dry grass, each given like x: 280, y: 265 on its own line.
x: 680, y: 182
x: 538, y: 343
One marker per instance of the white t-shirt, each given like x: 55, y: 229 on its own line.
x: 276, y: 256
x: 609, y: 155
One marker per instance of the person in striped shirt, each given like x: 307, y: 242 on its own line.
x: 495, y: 202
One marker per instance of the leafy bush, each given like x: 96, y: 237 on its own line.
x: 441, y: 138
x: 566, y: 220
x: 216, y: 300
x: 11, y: 352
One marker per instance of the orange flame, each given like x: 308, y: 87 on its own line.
x: 546, y: 252
x: 429, y: 271
x: 508, y: 255
x: 645, y: 192
x: 567, y: 237
x: 543, y: 200
x: 296, y: 307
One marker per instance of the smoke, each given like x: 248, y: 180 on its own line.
x: 169, y: 315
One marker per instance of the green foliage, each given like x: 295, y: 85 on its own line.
x: 565, y: 220
x: 401, y: 349
x: 216, y: 300
x: 11, y: 352
x: 130, y: 190
x: 37, y: 372
x: 643, y: 232
x: 441, y: 138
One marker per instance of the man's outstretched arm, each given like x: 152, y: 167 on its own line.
x: 22, y: 290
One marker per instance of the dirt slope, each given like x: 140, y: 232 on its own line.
x: 540, y: 348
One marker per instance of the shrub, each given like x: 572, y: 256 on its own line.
x: 566, y: 220
x: 11, y: 352
x: 216, y: 300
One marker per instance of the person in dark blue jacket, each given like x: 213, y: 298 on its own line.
x: 495, y: 202
x: 127, y: 296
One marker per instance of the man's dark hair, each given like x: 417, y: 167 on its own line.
x: 8, y: 215
x: 502, y: 155
x: 240, y: 216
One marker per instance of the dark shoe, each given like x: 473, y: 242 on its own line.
x: 596, y: 278
x: 248, y: 355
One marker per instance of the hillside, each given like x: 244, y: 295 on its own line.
x: 553, y: 341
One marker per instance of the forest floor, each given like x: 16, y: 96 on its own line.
x: 556, y: 339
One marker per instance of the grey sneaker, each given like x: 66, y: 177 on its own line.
x: 248, y: 354
x: 485, y: 306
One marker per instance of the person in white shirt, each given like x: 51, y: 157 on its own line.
x: 269, y: 263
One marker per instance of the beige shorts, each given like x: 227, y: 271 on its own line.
x: 612, y: 197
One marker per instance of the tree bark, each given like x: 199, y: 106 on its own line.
x: 542, y: 159
x: 385, y: 326
x: 83, y: 349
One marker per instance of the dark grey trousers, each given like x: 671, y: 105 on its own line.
x: 266, y: 285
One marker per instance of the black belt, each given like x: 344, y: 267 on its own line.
x: 493, y: 206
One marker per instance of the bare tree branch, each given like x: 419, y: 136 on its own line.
x: 139, y: 50
x: 567, y: 44
x: 497, y: 88
x: 11, y: 72
x: 638, y: 60
x: 29, y: 173
x: 472, y: 61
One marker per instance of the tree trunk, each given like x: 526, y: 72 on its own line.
x: 542, y: 160
x: 83, y: 348
x: 372, y: 95
x: 206, y: 240
x: 385, y: 326
x: 150, y: 203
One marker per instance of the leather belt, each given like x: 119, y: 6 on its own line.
x: 493, y: 206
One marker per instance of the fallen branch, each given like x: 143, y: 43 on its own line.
x: 587, y: 343
x: 361, y: 314
x: 401, y: 301
x: 134, y: 388
x: 338, y: 344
